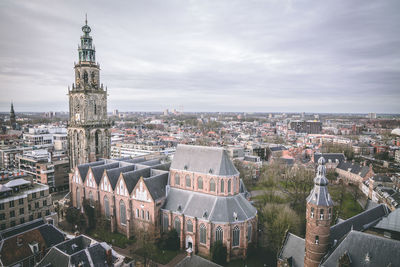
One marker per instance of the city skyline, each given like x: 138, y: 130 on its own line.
x: 237, y: 56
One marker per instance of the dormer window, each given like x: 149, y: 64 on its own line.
x: 205, y: 214
x: 210, y: 171
x: 185, y: 167
x: 235, y: 216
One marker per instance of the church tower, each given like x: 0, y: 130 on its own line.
x: 319, y: 217
x: 13, y: 122
x: 88, y: 126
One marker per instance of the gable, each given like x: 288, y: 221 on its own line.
x: 121, y: 188
x: 77, y: 177
x: 105, y: 184
x: 90, y: 181
x: 141, y: 192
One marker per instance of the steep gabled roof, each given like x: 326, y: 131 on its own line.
x: 330, y: 156
x: 359, y: 222
x: 131, y: 178
x: 99, y: 170
x: 365, y: 250
x: 354, y: 168
x: 213, y: 160
x: 156, y: 185
x: 293, y: 250
x: 113, y: 174
x: 84, y: 168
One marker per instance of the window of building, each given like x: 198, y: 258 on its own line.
x: 188, y: 181
x: 12, y: 223
x: 165, y: 222
x: 122, y: 212
x: 3, y: 226
x: 249, y: 230
x: 212, y: 185
x: 236, y: 236
x: 21, y: 211
x: 22, y: 220
x: 312, y: 212
x: 47, y: 212
x: 91, y: 201
x: 21, y: 201
x: 31, y: 217
x: 137, y: 213
x: 200, y: 183
x: 189, y: 226
x: 330, y: 213
x: 321, y: 214
x: 177, y: 180
x: 33, y: 195
x: 177, y: 225
x: 203, y: 233
x: 12, y: 213
x: 42, y: 193
x: 142, y: 214
x: 36, y: 205
x: 39, y: 215
x: 45, y: 203
x: 316, y: 239
x: 222, y: 186
x: 219, y: 234
x: 11, y: 204
x: 2, y: 216
x: 229, y: 185
x: 2, y: 206
x: 148, y: 215
x: 106, y: 207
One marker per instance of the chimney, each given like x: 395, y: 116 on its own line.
x: 109, y: 257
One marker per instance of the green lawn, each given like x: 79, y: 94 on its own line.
x: 116, y: 239
x: 350, y: 207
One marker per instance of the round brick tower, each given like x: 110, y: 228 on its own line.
x: 318, y: 216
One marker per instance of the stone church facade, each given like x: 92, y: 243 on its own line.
x: 88, y: 126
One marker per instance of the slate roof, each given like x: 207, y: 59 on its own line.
x: 45, y: 235
x: 293, y: 250
x: 131, y: 178
x: 156, y: 185
x: 382, y: 178
x: 277, y: 148
x: 390, y: 222
x: 76, y: 251
x: 214, y: 160
x: 359, y: 222
x: 365, y: 250
x: 354, y: 168
x: 209, y: 207
x: 21, y: 228
x: 99, y: 170
x: 196, y: 261
x: 113, y: 174
x: 84, y: 168
x: 330, y: 156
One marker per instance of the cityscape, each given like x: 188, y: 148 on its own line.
x: 219, y: 154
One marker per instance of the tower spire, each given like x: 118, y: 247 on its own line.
x: 318, y: 216
x: 85, y: 18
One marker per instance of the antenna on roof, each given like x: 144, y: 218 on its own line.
x: 86, y: 18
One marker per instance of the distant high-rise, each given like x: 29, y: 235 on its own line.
x: 13, y: 123
x: 88, y: 126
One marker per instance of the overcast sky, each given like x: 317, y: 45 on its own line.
x: 293, y: 56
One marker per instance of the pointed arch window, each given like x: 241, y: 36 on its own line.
x: 91, y: 201
x: 236, y: 236
x: 85, y: 77
x: 122, y: 212
x: 249, y: 231
x: 165, y: 222
x: 212, y: 185
x: 177, y: 225
x: 189, y: 226
x: 203, y: 233
x: 229, y: 185
x: 106, y: 207
x: 321, y: 214
x: 177, y: 180
x: 200, y: 183
x: 78, y: 198
x: 316, y: 239
x: 188, y: 181
x: 219, y: 234
x: 222, y: 186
